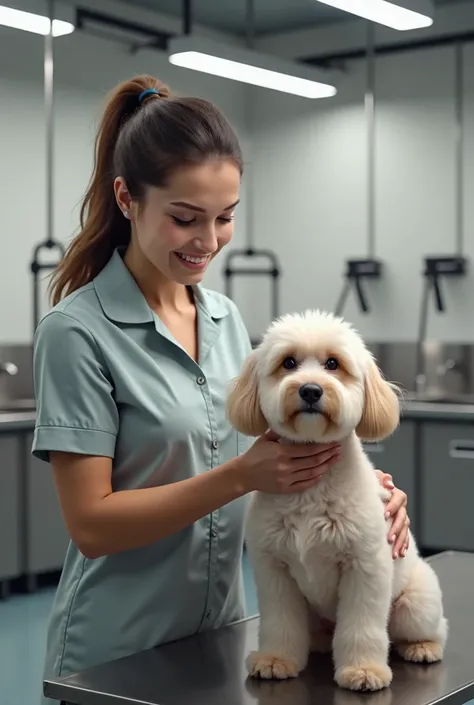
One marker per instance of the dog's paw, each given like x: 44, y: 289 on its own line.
x: 268, y: 666
x: 421, y: 651
x: 368, y: 677
x: 321, y: 642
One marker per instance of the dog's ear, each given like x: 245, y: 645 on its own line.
x: 243, y: 405
x: 381, y: 414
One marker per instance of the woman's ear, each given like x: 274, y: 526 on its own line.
x: 381, y: 414
x: 243, y: 405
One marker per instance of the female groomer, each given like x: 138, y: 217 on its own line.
x: 132, y: 366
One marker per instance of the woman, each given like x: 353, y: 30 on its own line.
x: 131, y: 370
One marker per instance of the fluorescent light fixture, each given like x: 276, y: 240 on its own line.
x: 249, y: 67
x: 29, y: 22
x: 397, y: 14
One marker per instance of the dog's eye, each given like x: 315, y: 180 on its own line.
x: 331, y: 364
x: 289, y: 363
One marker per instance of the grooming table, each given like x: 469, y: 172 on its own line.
x: 209, y: 669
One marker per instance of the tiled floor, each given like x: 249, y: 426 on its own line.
x: 23, y: 621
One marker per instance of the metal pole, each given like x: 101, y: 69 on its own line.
x: 370, y: 122
x: 459, y: 82
x: 420, y: 374
x: 187, y: 17
x: 249, y: 220
x: 250, y: 23
x: 49, y: 104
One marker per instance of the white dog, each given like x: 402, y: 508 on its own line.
x: 323, y: 553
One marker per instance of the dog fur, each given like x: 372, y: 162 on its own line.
x: 323, y: 553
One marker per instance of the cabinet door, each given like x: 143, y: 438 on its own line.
x: 47, y: 536
x: 447, y: 485
x: 396, y: 456
x: 10, y: 506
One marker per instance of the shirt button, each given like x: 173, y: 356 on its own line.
x: 214, y: 533
x: 209, y: 614
x: 215, y: 444
x: 201, y: 380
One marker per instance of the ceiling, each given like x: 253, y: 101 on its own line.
x: 270, y: 15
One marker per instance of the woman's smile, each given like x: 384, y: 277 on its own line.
x: 193, y: 262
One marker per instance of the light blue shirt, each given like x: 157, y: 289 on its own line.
x: 110, y: 380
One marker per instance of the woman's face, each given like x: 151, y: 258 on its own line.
x: 181, y: 228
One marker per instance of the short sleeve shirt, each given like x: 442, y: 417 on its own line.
x: 110, y: 380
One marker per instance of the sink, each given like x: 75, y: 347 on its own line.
x: 15, y: 406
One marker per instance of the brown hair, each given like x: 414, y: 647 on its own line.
x: 144, y: 143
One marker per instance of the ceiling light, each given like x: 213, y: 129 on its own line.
x: 29, y: 22
x: 397, y: 14
x: 249, y: 67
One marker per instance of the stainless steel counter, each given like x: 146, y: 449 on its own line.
x: 440, y: 411
x: 208, y: 669
x: 17, y: 421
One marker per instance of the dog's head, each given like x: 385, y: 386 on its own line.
x: 313, y: 379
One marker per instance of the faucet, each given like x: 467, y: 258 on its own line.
x: 451, y: 365
x: 8, y: 368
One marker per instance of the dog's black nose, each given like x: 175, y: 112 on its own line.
x: 311, y: 393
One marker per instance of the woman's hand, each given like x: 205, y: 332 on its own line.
x: 396, y: 507
x: 284, y: 468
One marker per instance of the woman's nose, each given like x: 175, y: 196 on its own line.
x: 207, y: 239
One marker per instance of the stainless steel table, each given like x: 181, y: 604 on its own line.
x: 208, y: 669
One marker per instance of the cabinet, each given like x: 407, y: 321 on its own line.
x: 46, y: 534
x: 447, y: 485
x: 396, y: 456
x: 11, y: 542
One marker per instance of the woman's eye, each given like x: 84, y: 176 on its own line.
x: 289, y: 363
x: 181, y: 222
x: 331, y: 364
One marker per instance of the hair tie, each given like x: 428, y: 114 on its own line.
x: 147, y: 91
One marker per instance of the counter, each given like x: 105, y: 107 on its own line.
x: 434, y: 443
x: 209, y: 669
x: 33, y: 536
x: 17, y: 421
x: 439, y: 411
x: 25, y: 420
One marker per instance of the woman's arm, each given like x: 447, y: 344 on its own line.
x: 102, y: 522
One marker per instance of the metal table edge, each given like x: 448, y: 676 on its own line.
x: 59, y: 690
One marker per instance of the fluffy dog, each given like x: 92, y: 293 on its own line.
x: 323, y: 553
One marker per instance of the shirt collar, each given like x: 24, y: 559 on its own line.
x: 211, y: 302
x: 122, y: 300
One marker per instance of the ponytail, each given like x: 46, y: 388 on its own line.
x: 142, y: 138
x: 103, y: 227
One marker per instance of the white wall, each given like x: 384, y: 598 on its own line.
x: 309, y: 159
x: 86, y: 68
x: 311, y: 191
